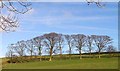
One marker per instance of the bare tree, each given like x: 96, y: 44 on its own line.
x: 10, y: 52
x: 80, y: 41
x: 60, y: 43
x: 101, y: 42
x: 10, y: 22
x: 89, y: 43
x: 50, y: 40
x: 38, y: 43
x: 69, y: 42
x: 20, y: 48
x: 30, y: 47
x: 110, y: 49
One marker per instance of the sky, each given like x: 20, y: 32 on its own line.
x: 65, y: 18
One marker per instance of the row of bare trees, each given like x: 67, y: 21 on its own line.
x: 53, y: 43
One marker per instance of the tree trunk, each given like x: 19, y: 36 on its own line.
x: 80, y: 54
x: 50, y: 58
x: 70, y: 54
x: 40, y: 59
x: 99, y: 54
x: 51, y: 54
x: 31, y: 54
x: 60, y: 52
x: 11, y: 58
x: 90, y: 54
x: 40, y: 53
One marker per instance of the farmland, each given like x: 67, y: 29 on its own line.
x: 74, y: 63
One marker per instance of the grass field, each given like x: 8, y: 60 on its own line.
x: 85, y: 63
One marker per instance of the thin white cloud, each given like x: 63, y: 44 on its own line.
x: 43, y: 20
x: 50, y: 20
x: 59, y: 23
x: 26, y: 30
x: 85, y: 28
x: 66, y: 16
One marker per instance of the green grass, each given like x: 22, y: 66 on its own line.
x: 85, y: 63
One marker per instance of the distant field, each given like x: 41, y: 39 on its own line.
x: 85, y: 63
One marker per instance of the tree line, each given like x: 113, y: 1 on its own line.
x: 53, y: 43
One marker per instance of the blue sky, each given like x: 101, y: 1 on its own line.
x: 66, y: 18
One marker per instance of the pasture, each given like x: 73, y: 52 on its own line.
x: 85, y: 63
